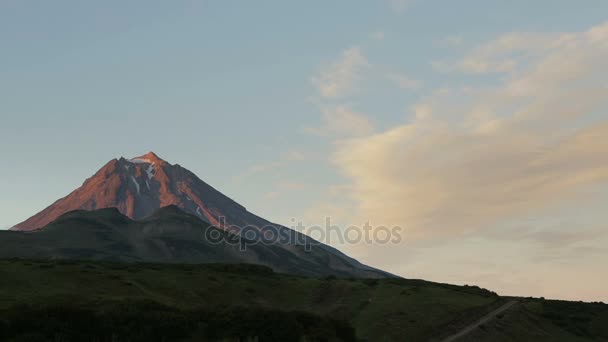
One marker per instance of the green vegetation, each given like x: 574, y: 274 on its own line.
x: 45, y: 298
x: 150, y: 321
x: 547, y: 320
x: 103, y: 301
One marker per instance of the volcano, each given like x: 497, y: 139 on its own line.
x: 139, y: 186
x: 142, y: 209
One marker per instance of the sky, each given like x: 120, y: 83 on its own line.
x: 479, y: 127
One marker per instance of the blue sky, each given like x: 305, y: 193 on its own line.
x: 298, y: 109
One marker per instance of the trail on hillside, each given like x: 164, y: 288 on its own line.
x: 480, y: 322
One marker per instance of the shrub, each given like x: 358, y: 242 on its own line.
x: 149, y: 321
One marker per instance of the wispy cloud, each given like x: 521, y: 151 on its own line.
x: 400, y: 6
x: 272, y: 195
x: 507, y: 52
x: 340, y: 78
x: 283, y: 188
x: 340, y: 121
x: 403, y: 81
x: 291, y: 185
x: 378, y: 35
x: 474, y: 157
x: 287, y: 158
x: 452, y: 40
x: 259, y: 168
x: 295, y: 155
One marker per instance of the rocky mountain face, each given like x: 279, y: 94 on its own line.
x: 141, y: 189
x: 137, y: 187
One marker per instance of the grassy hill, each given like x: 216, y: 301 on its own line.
x: 547, y: 320
x: 84, y: 301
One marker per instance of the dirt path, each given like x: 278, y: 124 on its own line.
x: 481, y: 321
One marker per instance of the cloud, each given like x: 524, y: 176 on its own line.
x: 403, y: 81
x: 284, y: 188
x: 453, y: 40
x: 340, y: 215
x: 441, y: 66
x: 502, y: 54
x: 514, y: 50
x: 259, y: 168
x: 340, y: 122
x: 474, y: 157
x: 339, y: 79
x: 509, y: 267
x: 272, y: 195
x: 291, y: 185
x: 287, y: 158
x: 400, y: 6
x: 378, y: 35
x: 295, y: 155
x: 506, y: 54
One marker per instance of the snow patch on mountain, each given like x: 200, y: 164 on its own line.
x: 136, y: 184
x: 150, y: 171
x: 140, y: 161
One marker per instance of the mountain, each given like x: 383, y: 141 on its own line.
x: 169, y: 235
x: 142, y: 185
x: 146, y: 209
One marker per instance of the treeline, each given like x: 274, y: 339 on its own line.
x: 150, y: 321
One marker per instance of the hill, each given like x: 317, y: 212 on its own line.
x: 78, y: 300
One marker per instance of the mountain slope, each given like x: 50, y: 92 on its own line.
x: 139, y: 186
x: 169, y: 235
